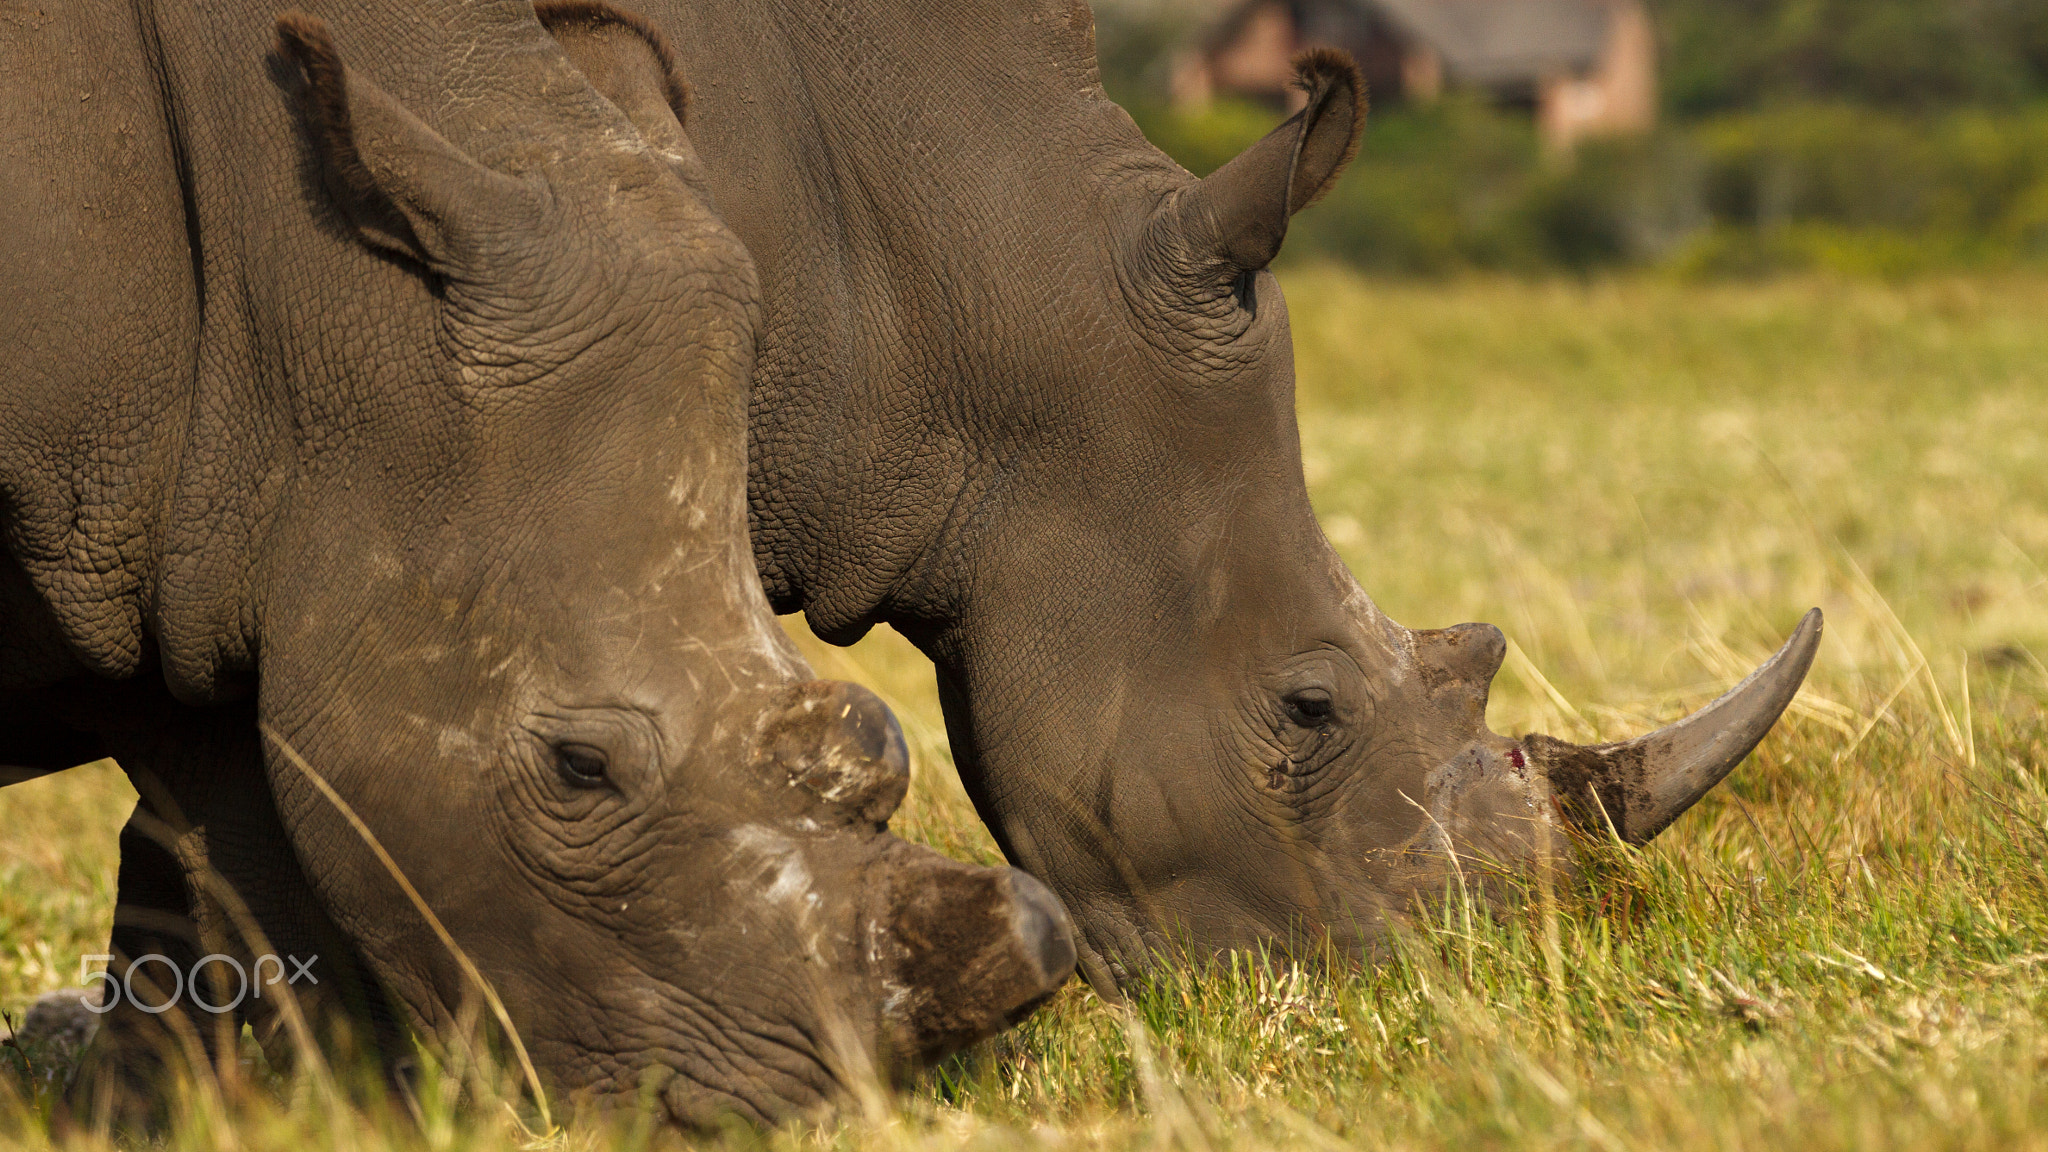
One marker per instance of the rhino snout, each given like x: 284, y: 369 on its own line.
x: 966, y: 952
x: 841, y: 745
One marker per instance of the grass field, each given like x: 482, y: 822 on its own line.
x: 1644, y: 483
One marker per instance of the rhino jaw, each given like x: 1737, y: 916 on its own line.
x: 1640, y: 786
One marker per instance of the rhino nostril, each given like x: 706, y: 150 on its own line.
x: 842, y: 744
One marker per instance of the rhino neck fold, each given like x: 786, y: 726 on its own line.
x: 895, y: 182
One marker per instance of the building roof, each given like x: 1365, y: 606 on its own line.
x: 1495, y: 41
x: 1479, y: 41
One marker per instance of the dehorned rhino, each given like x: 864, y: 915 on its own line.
x: 372, y: 478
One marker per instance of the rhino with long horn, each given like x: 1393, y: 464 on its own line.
x: 1026, y: 393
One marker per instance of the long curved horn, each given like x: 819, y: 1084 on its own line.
x: 1642, y: 785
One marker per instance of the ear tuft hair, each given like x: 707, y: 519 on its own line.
x: 1316, y: 72
x: 598, y: 14
x: 305, y: 40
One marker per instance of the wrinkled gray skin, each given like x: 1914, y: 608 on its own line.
x: 1026, y: 393
x: 399, y: 413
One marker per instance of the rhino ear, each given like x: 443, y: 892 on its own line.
x: 628, y: 60
x: 1238, y: 214
x: 403, y: 186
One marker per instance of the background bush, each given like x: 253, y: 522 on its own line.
x: 1721, y: 55
x: 1459, y: 186
x: 1878, y: 137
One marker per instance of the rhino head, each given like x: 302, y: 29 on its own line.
x: 511, y: 615
x: 1247, y: 750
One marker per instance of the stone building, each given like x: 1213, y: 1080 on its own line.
x: 1581, y: 67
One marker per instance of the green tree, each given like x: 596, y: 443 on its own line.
x: 1910, y: 54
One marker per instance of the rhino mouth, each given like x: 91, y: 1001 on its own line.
x: 762, y: 1080
x: 704, y: 1109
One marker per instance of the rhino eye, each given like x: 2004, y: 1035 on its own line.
x: 581, y: 765
x: 1309, y: 707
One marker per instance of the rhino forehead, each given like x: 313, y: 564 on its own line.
x: 454, y: 742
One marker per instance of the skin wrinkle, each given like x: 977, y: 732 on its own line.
x: 1277, y: 822
x: 1051, y: 693
x: 703, y: 1022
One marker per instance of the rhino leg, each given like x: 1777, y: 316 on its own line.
x: 207, y: 869
x: 134, y: 1051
